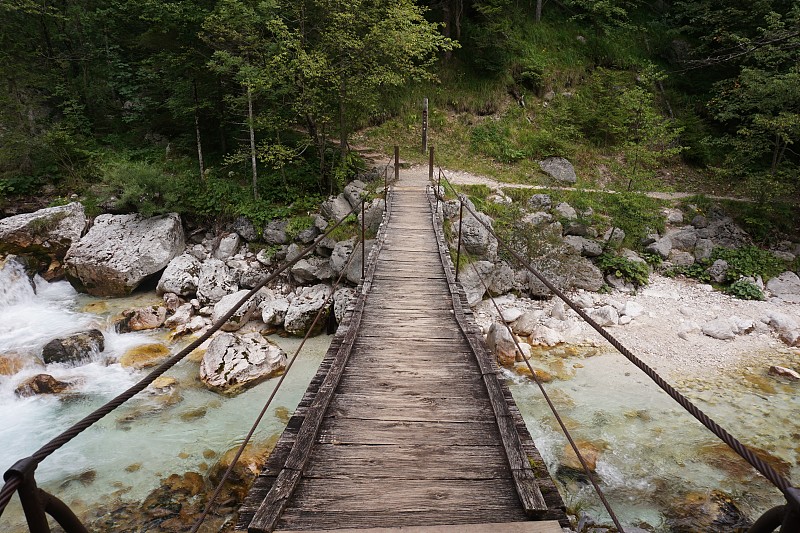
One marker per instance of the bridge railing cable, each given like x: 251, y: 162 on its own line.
x: 792, y: 494
x: 21, y: 476
x: 240, y: 450
x: 584, y: 465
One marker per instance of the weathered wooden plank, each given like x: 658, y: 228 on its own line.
x: 294, y: 519
x: 408, y: 462
x: 407, y: 496
x: 355, y: 431
x: 549, y: 526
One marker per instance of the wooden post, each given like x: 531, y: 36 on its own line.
x: 430, y: 165
x: 460, y: 223
x: 425, y: 125
x: 396, y: 163
x: 363, y: 242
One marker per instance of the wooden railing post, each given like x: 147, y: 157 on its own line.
x: 425, y: 125
x: 460, y: 224
x: 396, y: 162
x: 430, y: 165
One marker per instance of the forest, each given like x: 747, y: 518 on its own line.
x: 252, y: 107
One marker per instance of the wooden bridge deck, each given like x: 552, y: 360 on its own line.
x: 406, y: 422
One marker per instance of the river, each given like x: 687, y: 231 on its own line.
x: 656, y: 463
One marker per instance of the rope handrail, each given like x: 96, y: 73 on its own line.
x: 765, y: 469
x: 589, y: 474
x: 240, y: 450
x: 14, y: 477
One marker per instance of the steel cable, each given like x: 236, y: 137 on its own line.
x: 589, y: 474
x: 240, y: 451
x: 60, y: 440
x: 756, y: 462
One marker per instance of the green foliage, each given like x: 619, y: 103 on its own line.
x: 638, y: 215
x: 749, y: 261
x: 348, y: 229
x: 622, y: 267
x: 696, y: 271
x: 745, y: 290
x: 298, y: 224
x: 141, y: 187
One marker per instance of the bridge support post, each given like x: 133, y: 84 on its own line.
x: 396, y: 162
x: 363, y: 242
x: 430, y: 164
x: 424, y: 125
x: 460, y: 224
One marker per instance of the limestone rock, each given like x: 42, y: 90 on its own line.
x: 475, y: 237
x: 232, y: 362
x: 46, y: 234
x: 546, y: 336
x: 470, y: 278
x: 120, y: 251
x: 304, y: 308
x: 537, y: 218
x: 673, y: 216
x: 142, y: 318
x: 787, y: 327
x: 564, y: 210
x: 502, y: 279
x: 614, y: 236
x: 679, y: 258
x: 354, y: 270
x: 632, y: 309
x: 341, y: 254
x: 227, y: 247
x: 511, y: 314
x: 273, y: 311
x: 586, y: 276
x: 662, y: 247
x: 703, y: 249
x: 373, y: 214
x: 181, y: 276
x: 336, y: 208
x: 786, y: 287
x: 527, y: 323
x: 275, y: 232
x: 606, y: 315
x: 181, y: 316
x: 683, y: 239
x: 342, y: 298
x: 75, y: 349
x: 245, y: 228
x: 240, y: 317
x: 501, y: 344
x: 721, y: 329
x: 539, y: 201
x: 354, y: 191
x: 144, y: 356
x: 215, y: 281
x: 591, y: 453
x: 559, y: 168
x: 312, y: 269
x: 718, y: 271
x: 41, y: 384
x: 585, y: 247
x: 724, y: 232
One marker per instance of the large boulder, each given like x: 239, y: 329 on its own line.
x: 354, y: 270
x: 120, y: 251
x: 336, y: 208
x: 723, y: 231
x: 227, y: 246
x: 374, y: 214
x: 181, y: 276
x: 475, y: 237
x: 661, y: 247
x: 273, y: 310
x: 46, y: 234
x: 304, y: 308
x: 312, y: 269
x: 232, y: 362
x: 586, y: 276
x: 786, y: 287
x: 142, y: 318
x: 501, y: 344
x: 41, y: 384
x: 240, y: 317
x: 559, y: 168
x: 342, y: 298
x: 683, y: 239
x: 275, y: 232
x: 245, y: 228
x: 75, y: 349
x: 354, y: 192
x: 341, y: 253
x: 470, y: 277
x: 215, y: 281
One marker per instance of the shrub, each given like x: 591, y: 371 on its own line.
x: 745, y: 290
x: 749, y: 261
x: 622, y: 267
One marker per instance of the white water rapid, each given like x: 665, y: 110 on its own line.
x: 127, y: 454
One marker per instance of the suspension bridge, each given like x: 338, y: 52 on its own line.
x: 407, y: 425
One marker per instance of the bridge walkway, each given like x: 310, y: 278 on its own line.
x: 416, y: 429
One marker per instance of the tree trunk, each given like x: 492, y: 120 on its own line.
x: 446, y: 16
x: 538, y: 13
x: 252, y: 141
x: 342, y: 119
x: 197, y: 131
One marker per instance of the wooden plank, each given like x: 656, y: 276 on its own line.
x: 550, y: 526
x: 354, y: 431
x: 302, y: 520
x: 408, y: 462
x: 407, y: 496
